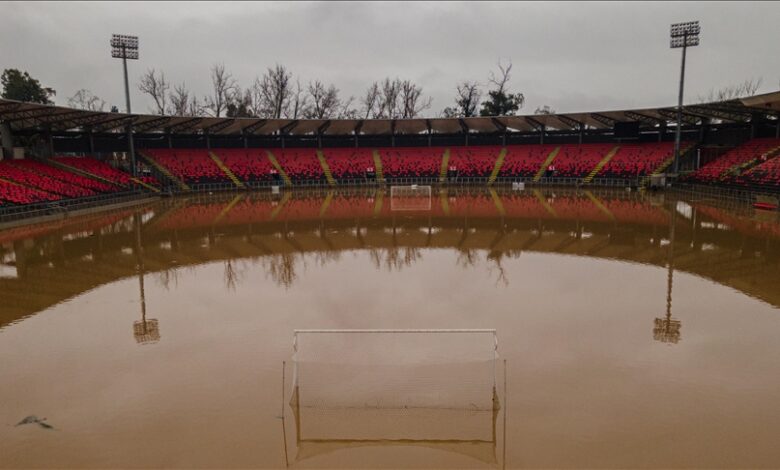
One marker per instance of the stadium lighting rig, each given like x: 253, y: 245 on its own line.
x: 125, y: 47
x: 682, y: 35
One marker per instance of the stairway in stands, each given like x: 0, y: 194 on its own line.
x: 663, y: 166
x: 741, y: 168
x: 53, y: 162
x: 164, y: 171
x: 445, y: 164
x: 380, y: 177
x: 218, y: 161
x: 547, y: 162
x: 275, y: 163
x: 498, y: 165
x: 601, y: 164
x: 326, y: 168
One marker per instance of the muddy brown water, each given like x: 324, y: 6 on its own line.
x: 635, y: 330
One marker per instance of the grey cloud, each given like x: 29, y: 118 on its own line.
x: 571, y: 56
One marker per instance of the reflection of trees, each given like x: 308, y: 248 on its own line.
x: 281, y: 268
x: 467, y: 258
x: 166, y: 276
x: 324, y: 257
x: 232, y: 275
x: 395, y: 258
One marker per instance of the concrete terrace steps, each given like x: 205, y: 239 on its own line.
x: 380, y: 176
x: 218, y: 161
x: 547, y: 163
x: 326, y: 168
x: 746, y: 167
x: 601, y: 164
x: 445, y: 163
x: 64, y: 166
x: 497, y: 166
x: 278, y: 166
x: 181, y: 184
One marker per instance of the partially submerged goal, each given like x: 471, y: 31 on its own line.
x: 424, y: 387
x: 410, y: 198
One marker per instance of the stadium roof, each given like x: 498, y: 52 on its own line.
x: 32, y: 116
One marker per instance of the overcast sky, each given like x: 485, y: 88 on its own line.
x: 571, y: 56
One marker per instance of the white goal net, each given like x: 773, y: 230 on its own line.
x: 410, y: 198
x: 435, y: 388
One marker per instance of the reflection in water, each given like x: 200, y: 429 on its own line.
x: 569, y: 279
x: 282, y: 233
x: 667, y: 329
x: 146, y: 330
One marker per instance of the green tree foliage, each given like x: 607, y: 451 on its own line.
x: 501, y: 102
x: 22, y: 87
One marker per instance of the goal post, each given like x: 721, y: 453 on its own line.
x: 410, y: 198
x: 426, y: 387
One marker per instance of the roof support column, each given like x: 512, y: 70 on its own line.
x: 582, y: 131
x: 7, y: 139
x: 243, y: 136
x: 661, y: 131
x: 91, y: 141
x: 503, y: 139
x: 131, y: 149
x: 208, y: 141
x: 168, y: 137
x: 541, y: 134
x: 49, y: 143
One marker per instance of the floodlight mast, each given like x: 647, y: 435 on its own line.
x: 126, y: 47
x: 683, y: 35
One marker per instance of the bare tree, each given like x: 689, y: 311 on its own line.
x: 466, y: 101
x: 347, y: 111
x: 240, y: 104
x: 157, y: 87
x: 223, y: 86
x: 195, y: 108
x: 273, y: 92
x: 298, y: 103
x: 544, y: 110
x: 412, y: 101
x: 84, y: 99
x: 180, y: 100
x: 325, y: 102
x: 390, y: 90
x: 371, y: 101
x: 748, y: 87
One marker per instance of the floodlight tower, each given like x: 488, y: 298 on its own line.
x: 683, y: 35
x: 126, y: 47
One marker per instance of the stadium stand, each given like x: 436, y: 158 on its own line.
x: 248, y: 164
x: 65, y: 176
x: 300, y: 164
x: 17, y: 194
x: 25, y: 176
x: 411, y: 162
x: 473, y: 162
x: 100, y: 169
x: 633, y: 160
x: 764, y: 174
x: 577, y: 161
x: 189, y: 165
x: 737, y: 157
x: 525, y: 160
x: 350, y: 163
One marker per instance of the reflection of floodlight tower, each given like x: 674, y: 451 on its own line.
x: 144, y: 331
x: 667, y: 329
x: 126, y: 47
x: 683, y: 35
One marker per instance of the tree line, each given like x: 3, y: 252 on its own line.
x: 277, y: 93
